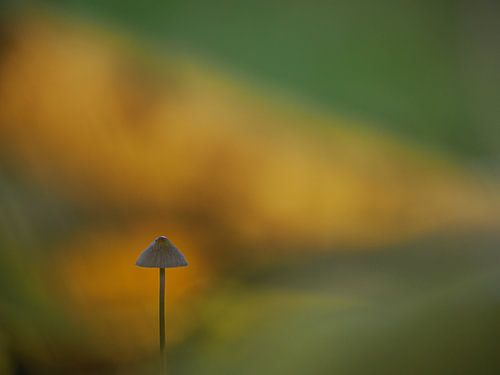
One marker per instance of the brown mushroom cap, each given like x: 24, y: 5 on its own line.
x: 161, y: 254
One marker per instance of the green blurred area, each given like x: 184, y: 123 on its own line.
x: 426, y: 70
x: 428, y: 308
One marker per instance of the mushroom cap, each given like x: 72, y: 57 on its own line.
x: 161, y: 254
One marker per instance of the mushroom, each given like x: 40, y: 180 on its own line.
x: 162, y: 254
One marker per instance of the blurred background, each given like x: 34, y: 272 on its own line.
x: 329, y: 169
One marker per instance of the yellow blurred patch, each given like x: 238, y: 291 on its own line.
x: 97, y: 123
x: 116, y: 302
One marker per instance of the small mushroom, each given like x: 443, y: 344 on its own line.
x: 162, y: 254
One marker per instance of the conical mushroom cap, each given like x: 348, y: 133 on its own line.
x: 161, y: 254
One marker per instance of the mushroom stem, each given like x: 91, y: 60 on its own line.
x: 161, y: 254
x: 163, y: 359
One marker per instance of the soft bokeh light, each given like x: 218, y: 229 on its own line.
x: 328, y: 229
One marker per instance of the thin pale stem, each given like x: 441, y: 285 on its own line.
x: 163, y: 353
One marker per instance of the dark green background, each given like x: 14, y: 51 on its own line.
x: 425, y: 70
